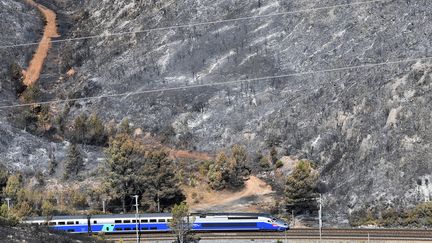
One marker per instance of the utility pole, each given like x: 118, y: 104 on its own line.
x: 8, y: 202
x: 320, y: 217
x: 136, y: 219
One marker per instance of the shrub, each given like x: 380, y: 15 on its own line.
x: 264, y: 162
x: 30, y: 94
x: 279, y: 164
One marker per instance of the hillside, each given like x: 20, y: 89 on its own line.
x: 367, y: 127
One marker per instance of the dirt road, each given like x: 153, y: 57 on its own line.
x: 255, y: 190
x: 31, y: 75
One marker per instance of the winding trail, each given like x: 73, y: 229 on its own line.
x: 31, y: 75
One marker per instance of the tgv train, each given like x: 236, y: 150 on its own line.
x: 159, y: 222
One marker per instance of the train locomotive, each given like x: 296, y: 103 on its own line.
x: 159, y: 222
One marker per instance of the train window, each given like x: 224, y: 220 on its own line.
x: 61, y: 223
x: 126, y: 221
x: 246, y: 217
x: 94, y: 222
x: 69, y: 222
x: 161, y: 220
x: 153, y: 228
x: 169, y: 220
x: 76, y: 222
x: 133, y: 221
x: 152, y: 220
x: 144, y: 221
x: 117, y: 221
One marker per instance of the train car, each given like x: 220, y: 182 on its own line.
x: 159, y: 222
x: 237, y: 222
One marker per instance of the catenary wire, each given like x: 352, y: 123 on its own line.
x: 196, y: 24
x: 369, y: 65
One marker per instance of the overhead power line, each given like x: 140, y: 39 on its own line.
x: 369, y: 65
x: 197, y: 24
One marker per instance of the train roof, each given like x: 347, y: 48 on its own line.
x: 100, y: 216
x: 232, y: 214
x: 145, y: 215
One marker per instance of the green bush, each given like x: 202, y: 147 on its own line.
x: 279, y: 164
x: 264, y: 162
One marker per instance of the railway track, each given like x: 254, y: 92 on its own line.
x: 294, y: 234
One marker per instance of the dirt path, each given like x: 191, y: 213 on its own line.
x: 207, y: 200
x: 31, y: 75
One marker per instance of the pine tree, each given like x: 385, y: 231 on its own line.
x: 160, y: 185
x: 125, y: 157
x: 96, y: 134
x: 52, y: 165
x: 300, y: 187
x: 273, y: 155
x: 74, y: 162
x: 229, y: 172
x: 79, y: 128
x: 238, y: 170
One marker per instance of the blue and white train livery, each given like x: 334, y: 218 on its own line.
x: 159, y: 222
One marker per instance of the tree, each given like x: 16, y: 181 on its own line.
x: 23, y: 209
x: 4, y: 211
x: 229, y: 172
x: 17, y: 77
x: 181, y: 223
x: 52, y: 164
x: 40, y: 178
x: 301, y: 185
x: 4, y: 175
x: 125, y: 157
x: 79, y: 128
x: 13, y: 186
x: 238, y: 170
x: 273, y: 155
x: 74, y: 162
x: 160, y: 185
x: 47, y: 208
x: 30, y: 94
x: 96, y: 133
